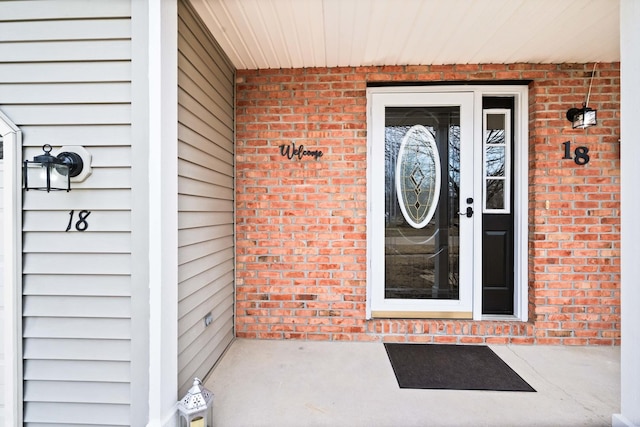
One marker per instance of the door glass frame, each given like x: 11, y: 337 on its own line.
x: 411, y: 95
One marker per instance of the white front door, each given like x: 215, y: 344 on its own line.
x: 421, y: 222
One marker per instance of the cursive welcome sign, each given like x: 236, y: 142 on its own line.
x: 290, y: 152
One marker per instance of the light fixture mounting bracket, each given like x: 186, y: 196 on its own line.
x: 79, y: 155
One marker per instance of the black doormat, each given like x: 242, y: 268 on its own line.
x: 456, y: 367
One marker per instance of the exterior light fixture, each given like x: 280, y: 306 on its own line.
x: 47, y: 172
x: 584, y: 117
x: 195, y: 408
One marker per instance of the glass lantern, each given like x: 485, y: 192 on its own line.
x: 582, y: 118
x: 196, y: 407
x: 51, y: 173
x: 46, y: 173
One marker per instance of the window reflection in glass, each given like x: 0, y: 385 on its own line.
x: 495, y: 193
x: 495, y: 157
x: 422, y: 263
x: 495, y: 160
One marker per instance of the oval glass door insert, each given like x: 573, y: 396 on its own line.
x: 418, y: 176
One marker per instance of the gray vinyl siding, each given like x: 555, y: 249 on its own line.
x: 65, y: 79
x: 205, y: 199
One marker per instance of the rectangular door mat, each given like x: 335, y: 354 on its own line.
x: 456, y: 367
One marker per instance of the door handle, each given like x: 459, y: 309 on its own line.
x: 468, y: 213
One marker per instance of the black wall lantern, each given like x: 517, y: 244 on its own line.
x: 584, y: 117
x: 47, y: 172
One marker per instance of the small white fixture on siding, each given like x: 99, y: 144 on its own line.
x: 195, y: 409
x: 47, y: 172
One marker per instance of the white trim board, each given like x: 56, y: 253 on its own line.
x: 12, y: 202
x: 162, y: 227
x: 629, y: 205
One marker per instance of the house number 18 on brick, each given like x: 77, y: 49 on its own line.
x: 581, y: 154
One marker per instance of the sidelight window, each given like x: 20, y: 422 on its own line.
x: 497, y: 161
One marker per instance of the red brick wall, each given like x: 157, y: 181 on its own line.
x: 301, y: 224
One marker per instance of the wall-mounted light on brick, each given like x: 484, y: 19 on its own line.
x: 582, y: 118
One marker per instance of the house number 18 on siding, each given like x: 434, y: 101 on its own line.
x: 81, y: 223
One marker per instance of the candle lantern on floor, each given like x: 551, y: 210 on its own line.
x: 196, y: 407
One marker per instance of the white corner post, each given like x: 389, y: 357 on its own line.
x: 162, y: 225
x: 630, y: 206
x: 12, y: 231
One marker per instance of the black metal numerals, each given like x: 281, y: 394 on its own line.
x: 580, y: 154
x: 81, y: 224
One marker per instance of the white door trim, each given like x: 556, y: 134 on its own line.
x: 520, y: 186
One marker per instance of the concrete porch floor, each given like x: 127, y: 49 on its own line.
x: 303, y: 383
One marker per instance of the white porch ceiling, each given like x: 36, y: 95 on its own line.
x: 326, y: 33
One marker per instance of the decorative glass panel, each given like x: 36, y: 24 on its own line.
x: 418, y: 176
